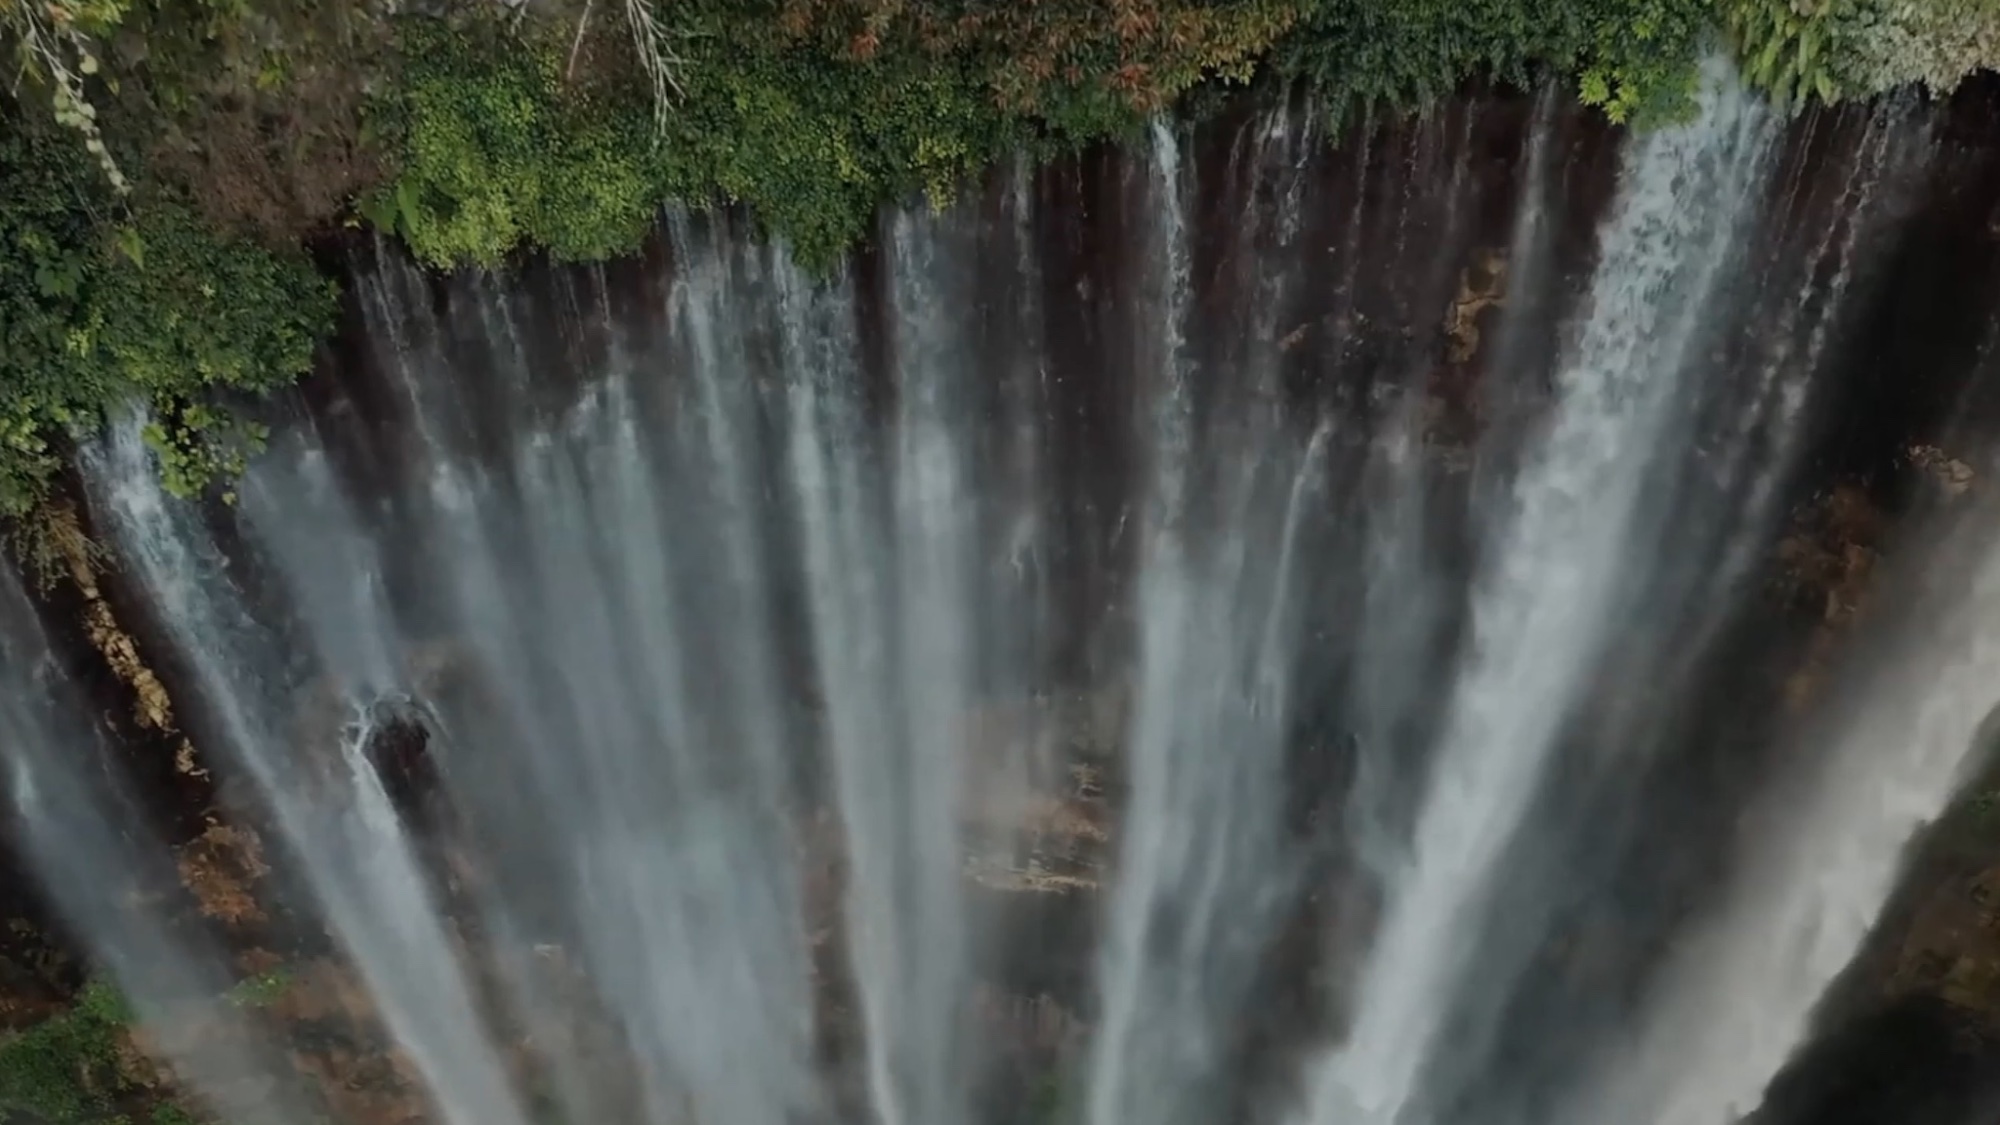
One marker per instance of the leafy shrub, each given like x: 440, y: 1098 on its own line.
x: 814, y: 144
x: 813, y: 112
x: 1788, y: 49
x: 1889, y: 43
x: 501, y: 146
x: 1075, y: 69
x: 100, y: 304
x: 1633, y: 58
x: 55, y: 42
x: 72, y: 1069
x: 498, y: 150
x: 261, y: 990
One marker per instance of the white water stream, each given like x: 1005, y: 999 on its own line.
x: 1539, y: 613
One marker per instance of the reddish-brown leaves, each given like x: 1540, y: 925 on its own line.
x: 1147, y: 51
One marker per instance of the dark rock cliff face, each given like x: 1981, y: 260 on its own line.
x: 1410, y: 269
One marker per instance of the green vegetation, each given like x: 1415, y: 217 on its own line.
x: 164, y: 159
x: 1986, y: 806
x: 1632, y: 58
x: 72, y: 1068
x: 498, y: 151
x: 1886, y: 43
x: 812, y: 114
x: 260, y: 991
x: 1786, y: 50
x: 1049, y: 1103
x: 104, y: 299
x: 66, y: 1069
x: 114, y: 287
x: 1832, y: 49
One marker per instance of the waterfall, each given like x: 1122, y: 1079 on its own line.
x: 1824, y: 852
x: 1540, y: 610
x: 1201, y: 859
x: 901, y: 666
x: 106, y: 868
x: 681, y: 687
x: 325, y: 796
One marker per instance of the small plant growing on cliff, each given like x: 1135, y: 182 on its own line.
x: 173, y: 1115
x: 72, y: 1069
x: 260, y: 991
x: 1986, y: 806
x: 65, y: 1069
x: 1047, y: 1104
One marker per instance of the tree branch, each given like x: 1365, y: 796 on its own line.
x: 569, y: 72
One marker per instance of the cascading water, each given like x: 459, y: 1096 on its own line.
x: 1217, y: 609
x: 1823, y: 857
x: 325, y: 796
x: 107, y: 873
x: 1538, y: 616
x: 772, y: 642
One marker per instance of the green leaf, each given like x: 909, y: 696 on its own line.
x: 379, y: 208
x: 132, y: 246
x: 1768, y: 60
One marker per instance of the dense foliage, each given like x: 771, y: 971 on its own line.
x: 66, y: 1069
x: 1631, y: 57
x: 1887, y: 43
x: 1831, y: 49
x: 814, y: 112
x: 77, y: 1067
x: 811, y: 112
x: 103, y: 302
x: 471, y: 133
x: 164, y: 158
x: 498, y: 151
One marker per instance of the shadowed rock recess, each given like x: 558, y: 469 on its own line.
x: 1475, y: 619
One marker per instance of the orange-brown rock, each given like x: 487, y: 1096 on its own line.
x: 219, y: 868
x: 1032, y: 797
x: 365, y: 1088
x: 1951, y: 475
x: 1481, y: 286
x: 80, y: 559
